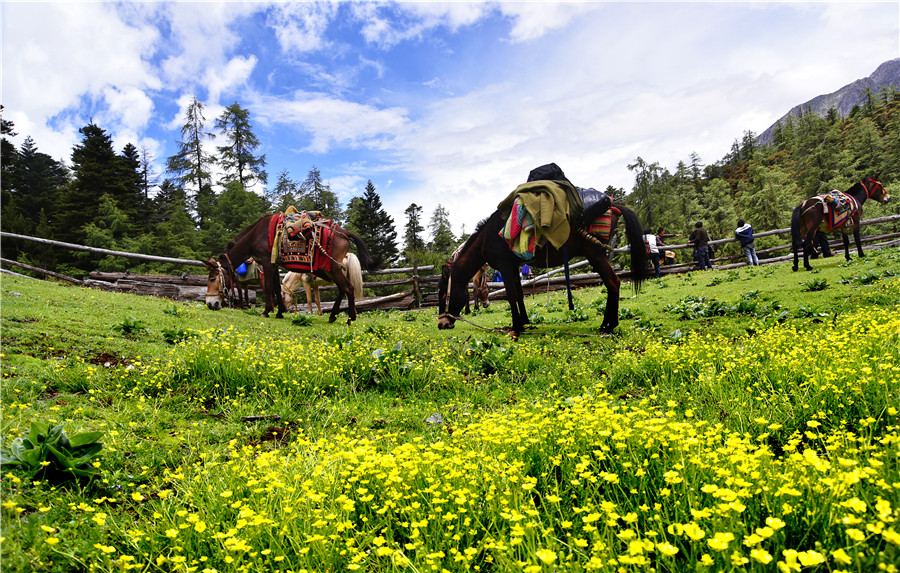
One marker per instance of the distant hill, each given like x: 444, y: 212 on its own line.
x: 845, y: 98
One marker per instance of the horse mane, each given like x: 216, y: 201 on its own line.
x: 478, y: 228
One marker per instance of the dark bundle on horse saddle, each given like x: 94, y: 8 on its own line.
x: 544, y: 209
x: 839, y: 208
x: 548, y: 172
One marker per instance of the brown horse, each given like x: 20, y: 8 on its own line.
x: 218, y: 295
x: 311, y: 283
x: 811, y: 217
x: 486, y: 245
x: 480, y: 287
x: 254, y: 242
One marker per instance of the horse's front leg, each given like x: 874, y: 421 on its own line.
x: 846, y: 238
x: 613, y: 283
x: 858, y: 240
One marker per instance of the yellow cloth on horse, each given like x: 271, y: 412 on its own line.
x: 551, y: 205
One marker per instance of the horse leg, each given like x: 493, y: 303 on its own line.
x: 807, y: 248
x: 846, y: 238
x: 613, y: 283
x: 308, y: 288
x: 516, y: 296
x: 268, y: 288
x: 858, y: 240
x: 343, y: 284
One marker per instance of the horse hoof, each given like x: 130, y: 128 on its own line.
x: 331, y: 319
x: 794, y: 269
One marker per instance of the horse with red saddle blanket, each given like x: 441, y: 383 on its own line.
x: 302, y: 243
x: 833, y: 211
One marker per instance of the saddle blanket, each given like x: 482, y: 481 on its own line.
x: 840, y: 208
x: 306, y: 251
x: 600, y: 226
x: 520, y: 232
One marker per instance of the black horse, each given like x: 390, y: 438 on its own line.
x: 487, y: 246
x: 810, y: 218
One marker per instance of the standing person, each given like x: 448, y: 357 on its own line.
x: 701, y: 243
x: 820, y: 245
x: 744, y: 234
x: 650, y: 240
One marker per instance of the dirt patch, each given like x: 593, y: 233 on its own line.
x: 108, y: 360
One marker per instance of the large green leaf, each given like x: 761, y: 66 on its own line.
x: 31, y: 457
x: 38, y: 433
x: 57, y: 435
x: 64, y: 460
x: 7, y: 459
x: 18, y: 446
x: 84, y: 438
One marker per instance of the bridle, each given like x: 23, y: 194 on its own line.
x: 222, y: 290
x: 877, y: 184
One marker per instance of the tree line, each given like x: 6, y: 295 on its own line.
x: 114, y: 200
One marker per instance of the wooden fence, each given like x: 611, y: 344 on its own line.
x: 416, y: 285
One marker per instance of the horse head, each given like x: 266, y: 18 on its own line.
x: 875, y: 189
x: 218, y: 283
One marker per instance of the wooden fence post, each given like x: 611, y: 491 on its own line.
x: 417, y: 296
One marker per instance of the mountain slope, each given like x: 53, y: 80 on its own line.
x: 845, y: 98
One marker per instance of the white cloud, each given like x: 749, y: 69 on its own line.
x: 331, y: 122
x: 533, y: 20
x: 301, y: 26
x: 53, y: 79
x: 225, y: 78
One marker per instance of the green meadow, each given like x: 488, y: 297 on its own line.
x: 737, y: 420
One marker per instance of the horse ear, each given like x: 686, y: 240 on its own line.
x: 210, y: 264
x: 878, y: 176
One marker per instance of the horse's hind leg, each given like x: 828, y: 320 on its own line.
x: 807, y: 249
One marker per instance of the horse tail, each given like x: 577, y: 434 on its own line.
x: 354, y: 273
x: 635, y: 235
x: 366, y: 259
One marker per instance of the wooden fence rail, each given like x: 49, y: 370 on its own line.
x: 423, y: 291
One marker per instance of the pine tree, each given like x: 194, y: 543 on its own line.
x: 39, y: 179
x: 191, y: 165
x: 284, y: 194
x: 237, y: 158
x: 412, y: 241
x: 442, y: 239
x: 317, y: 196
x: 96, y: 169
x: 367, y: 218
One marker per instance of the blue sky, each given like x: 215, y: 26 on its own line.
x: 436, y: 103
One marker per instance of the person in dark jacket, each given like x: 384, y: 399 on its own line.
x: 744, y: 234
x: 701, y: 243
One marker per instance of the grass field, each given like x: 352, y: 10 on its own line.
x: 737, y: 420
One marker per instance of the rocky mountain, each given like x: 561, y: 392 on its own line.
x: 845, y: 98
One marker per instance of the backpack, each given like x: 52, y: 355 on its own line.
x: 646, y: 245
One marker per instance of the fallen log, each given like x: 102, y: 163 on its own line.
x: 40, y: 270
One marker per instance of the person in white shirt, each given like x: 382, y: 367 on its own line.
x: 650, y: 241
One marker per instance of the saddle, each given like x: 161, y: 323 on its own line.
x: 839, y: 208
x: 301, y: 241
